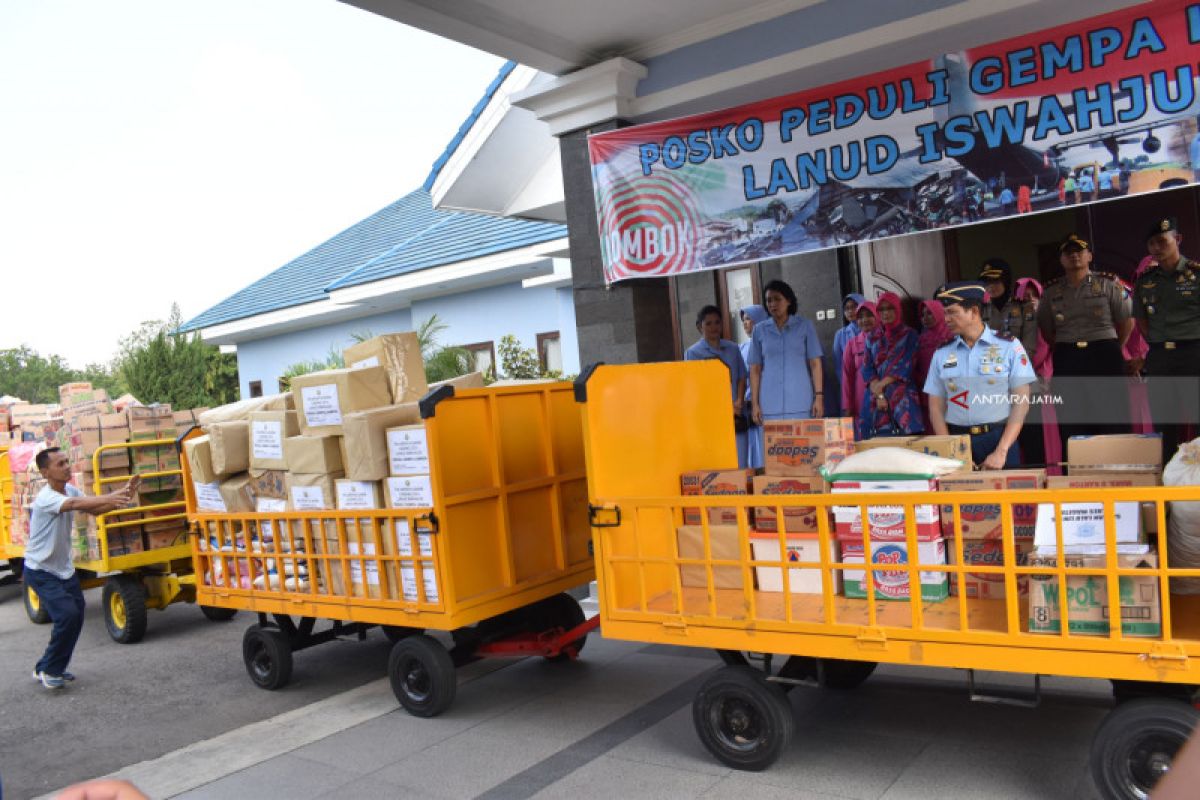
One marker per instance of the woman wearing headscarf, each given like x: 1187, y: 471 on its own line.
x: 850, y: 306
x: 854, y: 386
x: 934, y: 334
x: 891, y: 404
x: 1006, y: 314
x: 1039, y: 444
x: 786, y: 381
x: 709, y: 322
x: 751, y: 316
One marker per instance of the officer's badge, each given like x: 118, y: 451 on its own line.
x: 1165, y: 225
x: 1149, y: 309
x: 950, y: 362
x: 1024, y: 361
x: 1059, y: 318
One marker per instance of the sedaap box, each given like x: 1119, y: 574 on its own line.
x: 988, y: 553
x: 1126, y: 452
x: 886, y: 523
x: 894, y: 584
x: 723, y: 546
x: 400, y: 355
x: 408, y: 450
x: 1087, y: 597
x: 801, y: 446
x: 982, y: 520
x: 323, y: 399
x: 308, y: 492
x: 799, y: 548
x: 229, y: 443
x: 796, y: 519
x: 313, y: 455
x: 268, y: 429
x: 709, y: 482
x: 408, y: 491
x: 366, y: 447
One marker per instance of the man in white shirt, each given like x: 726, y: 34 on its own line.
x: 49, y: 570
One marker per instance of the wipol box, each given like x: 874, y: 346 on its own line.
x: 983, y: 520
x: 723, y: 546
x: 703, y: 482
x: 408, y: 450
x: 1088, y: 610
x: 230, y: 446
x: 323, y: 399
x: 796, y: 519
x: 313, y: 455
x: 268, y: 430
x: 799, y: 548
x: 987, y: 553
x: 365, y: 443
x: 894, y: 585
x: 886, y: 523
x: 408, y: 491
x: 400, y: 355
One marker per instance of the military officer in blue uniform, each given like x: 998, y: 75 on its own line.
x: 978, y: 384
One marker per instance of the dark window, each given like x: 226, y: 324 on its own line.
x: 256, y: 388
x: 549, y: 347
x: 483, y: 357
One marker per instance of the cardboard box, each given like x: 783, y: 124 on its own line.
x: 723, y: 546
x: 1090, y: 479
x: 884, y: 441
x: 358, y: 495
x: 988, y: 553
x: 124, y: 542
x: 208, y: 496
x: 1084, y: 523
x: 706, y: 482
x: 268, y: 483
x: 308, y: 492
x: 796, y: 519
x: 408, y: 450
x: 229, y: 443
x: 886, y: 523
x: 400, y: 355
x: 982, y: 521
x: 151, y: 418
x: 366, y: 446
x: 472, y: 380
x: 323, y: 399
x: 187, y: 419
x: 1087, y: 598
x: 243, y: 408
x: 312, y: 455
x: 198, y: 451
x: 99, y: 406
x: 408, y: 491
x: 1126, y: 452
x: 147, y: 458
x: 894, y: 585
x: 268, y: 430
x: 235, y: 492
x: 166, y: 538
x: 68, y: 390
x: 802, y: 548
x: 800, y: 447
x: 83, y: 442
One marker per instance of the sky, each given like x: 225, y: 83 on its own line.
x: 173, y: 151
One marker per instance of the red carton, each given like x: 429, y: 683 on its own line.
x: 796, y: 519
x: 982, y: 520
x: 801, y: 446
x: 714, y: 482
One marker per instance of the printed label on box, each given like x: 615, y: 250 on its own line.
x: 1083, y: 523
x: 268, y: 505
x: 429, y: 581
x: 208, y: 496
x: 373, y: 361
x: 321, y: 406
x: 408, y: 452
x: 411, y: 492
x: 267, y: 439
x: 356, y: 495
x: 403, y: 538
x: 356, y: 569
x: 408, y: 581
x: 308, y: 498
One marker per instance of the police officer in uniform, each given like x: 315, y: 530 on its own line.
x: 1086, y: 315
x: 1004, y: 313
x: 978, y: 384
x: 1166, y: 305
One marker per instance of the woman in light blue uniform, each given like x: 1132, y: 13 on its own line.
x: 850, y: 306
x: 751, y: 316
x: 786, y: 381
x: 710, y: 323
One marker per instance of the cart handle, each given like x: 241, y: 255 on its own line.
x: 595, y: 511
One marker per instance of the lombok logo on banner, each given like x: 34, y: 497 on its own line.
x: 1086, y: 112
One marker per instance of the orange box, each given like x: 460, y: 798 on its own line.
x: 801, y: 446
x: 714, y: 482
x: 982, y: 521
x: 796, y: 519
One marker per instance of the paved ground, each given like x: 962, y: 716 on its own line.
x: 615, y: 724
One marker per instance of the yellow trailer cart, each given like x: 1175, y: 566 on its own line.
x: 499, y: 532
x: 136, y: 575
x: 791, y: 604
x: 8, y: 561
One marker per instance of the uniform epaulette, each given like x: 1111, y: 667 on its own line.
x: 1107, y: 275
x: 1005, y: 335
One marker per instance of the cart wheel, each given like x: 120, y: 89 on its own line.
x: 16, y: 566
x: 1136, y: 743
x: 125, y: 609
x: 395, y: 633
x: 743, y: 720
x: 268, y: 657
x: 38, y: 614
x: 838, y: 674
x: 557, y: 611
x: 422, y: 675
x: 218, y: 614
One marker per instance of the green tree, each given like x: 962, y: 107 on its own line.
x: 27, y: 375
x: 441, y: 362
x: 516, y: 361
x: 333, y: 360
x: 161, y: 366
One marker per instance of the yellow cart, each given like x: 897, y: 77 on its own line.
x: 716, y: 593
x: 8, y: 560
x: 133, y: 582
x: 489, y: 559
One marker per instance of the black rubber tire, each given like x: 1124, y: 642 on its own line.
x: 844, y: 675
x: 16, y: 566
x: 38, y: 614
x: 218, y: 614
x: 742, y: 719
x: 422, y: 675
x: 558, y: 611
x: 1135, y: 744
x: 132, y: 595
x: 267, y: 655
x: 395, y: 633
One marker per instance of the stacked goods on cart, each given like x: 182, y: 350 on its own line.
x: 1183, y: 528
x: 27, y: 482
x: 34, y: 422
x: 1099, y: 462
x: 885, y: 469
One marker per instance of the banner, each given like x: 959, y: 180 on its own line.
x: 1085, y: 112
